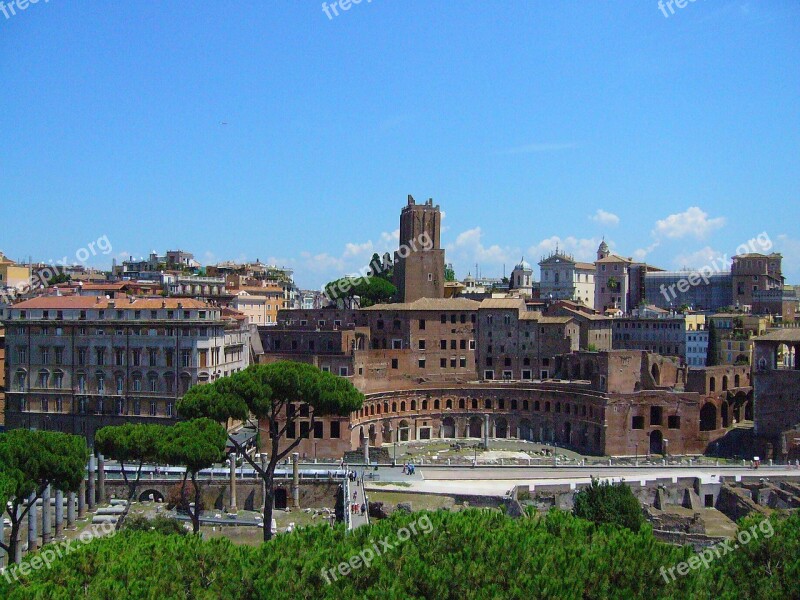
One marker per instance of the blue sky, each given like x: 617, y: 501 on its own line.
x: 531, y: 123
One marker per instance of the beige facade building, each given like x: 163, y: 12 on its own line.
x: 564, y: 278
x: 77, y: 363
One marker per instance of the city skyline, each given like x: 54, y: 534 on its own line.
x: 675, y: 139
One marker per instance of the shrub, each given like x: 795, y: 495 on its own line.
x: 604, y: 502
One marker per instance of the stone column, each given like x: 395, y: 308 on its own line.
x: 233, y: 507
x: 101, y: 479
x: 47, y: 522
x: 365, y: 447
x: 296, y: 479
x: 82, y: 500
x: 33, y: 523
x: 59, y: 513
x: 71, y: 510
x: 92, y: 498
x: 486, y: 431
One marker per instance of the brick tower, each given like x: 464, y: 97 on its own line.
x: 419, y: 260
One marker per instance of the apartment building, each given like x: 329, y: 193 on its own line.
x: 77, y: 363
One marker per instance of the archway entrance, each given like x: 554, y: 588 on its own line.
x: 708, y: 417
x: 449, y: 427
x: 501, y: 428
x: 476, y: 427
x: 403, y: 431
x: 656, y: 442
x: 525, y: 430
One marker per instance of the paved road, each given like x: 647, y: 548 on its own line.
x: 357, y: 496
x: 494, y: 482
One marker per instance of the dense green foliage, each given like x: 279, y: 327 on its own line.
x: 29, y: 462
x: 468, y: 555
x: 604, y: 502
x: 272, y: 394
x: 130, y: 443
x: 370, y: 290
x: 196, y: 445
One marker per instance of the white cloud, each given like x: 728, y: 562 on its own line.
x: 703, y: 257
x: 583, y: 249
x: 469, y: 247
x: 693, y: 222
x: 605, y: 218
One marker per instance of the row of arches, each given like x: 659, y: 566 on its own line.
x: 581, y: 435
x: 728, y: 414
x: 386, y: 407
x: 737, y: 380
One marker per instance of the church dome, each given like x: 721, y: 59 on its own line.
x: 523, y: 266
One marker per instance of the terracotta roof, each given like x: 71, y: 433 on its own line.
x: 428, y: 304
x: 86, y: 302
x: 584, y: 265
x: 614, y: 258
x: 517, y: 303
x: 555, y: 320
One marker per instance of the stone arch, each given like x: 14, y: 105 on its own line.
x: 567, y: 439
x: 475, y: 428
x: 487, y: 404
x: 449, y: 403
x: 708, y: 417
x: 723, y: 409
x: 448, y: 427
x: 156, y: 496
x: 724, y: 382
x: 656, y: 442
x: 403, y: 431
x: 525, y: 430
x: 501, y: 428
x: 712, y: 384
x: 413, y: 405
x: 656, y: 373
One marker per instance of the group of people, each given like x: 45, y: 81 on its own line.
x: 409, y: 469
x: 355, y: 507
